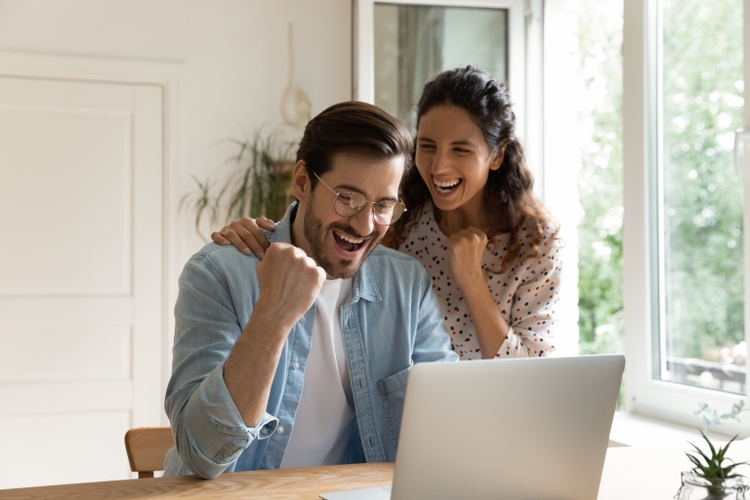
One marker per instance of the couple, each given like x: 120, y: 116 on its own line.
x: 248, y: 337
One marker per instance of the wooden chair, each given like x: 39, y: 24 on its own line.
x: 147, y: 447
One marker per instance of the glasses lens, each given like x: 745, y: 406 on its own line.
x: 349, y: 203
x: 385, y: 215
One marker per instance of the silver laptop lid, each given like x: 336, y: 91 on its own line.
x: 518, y: 429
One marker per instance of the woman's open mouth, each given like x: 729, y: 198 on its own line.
x: 446, y: 187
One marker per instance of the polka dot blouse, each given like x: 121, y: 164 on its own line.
x: 526, y: 293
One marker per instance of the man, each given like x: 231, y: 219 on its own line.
x: 302, y: 359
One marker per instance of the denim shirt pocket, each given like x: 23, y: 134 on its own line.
x: 393, y: 393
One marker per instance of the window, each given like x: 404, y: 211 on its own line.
x: 684, y: 241
x: 683, y: 205
x: 399, y: 44
x: 599, y: 139
x: 412, y: 42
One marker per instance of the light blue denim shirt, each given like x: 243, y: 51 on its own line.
x: 390, y: 321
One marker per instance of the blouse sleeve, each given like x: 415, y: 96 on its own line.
x: 532, y: 316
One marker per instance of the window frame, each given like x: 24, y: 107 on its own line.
x: 641, y: 156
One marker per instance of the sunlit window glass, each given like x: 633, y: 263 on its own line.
x: 700, y: 195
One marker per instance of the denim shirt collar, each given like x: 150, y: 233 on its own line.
x: 364, y: 281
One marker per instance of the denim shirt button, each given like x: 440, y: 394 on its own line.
x: 295, y: 365
x: 279, y: 430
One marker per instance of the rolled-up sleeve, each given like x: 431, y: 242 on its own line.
x: 209, y: 431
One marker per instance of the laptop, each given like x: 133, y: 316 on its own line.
x: 520, y: 429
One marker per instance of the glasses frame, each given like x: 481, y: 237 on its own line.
x: 372, y: 212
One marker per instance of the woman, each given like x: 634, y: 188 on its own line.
x: 490, y: 247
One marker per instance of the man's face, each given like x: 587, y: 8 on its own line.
x: 340, y: 244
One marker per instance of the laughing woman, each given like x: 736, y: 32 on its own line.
x: 490, y: 247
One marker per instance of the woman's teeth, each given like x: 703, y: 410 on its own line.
x: 446, y: 187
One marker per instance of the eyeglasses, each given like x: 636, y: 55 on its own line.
x: 349, y: 203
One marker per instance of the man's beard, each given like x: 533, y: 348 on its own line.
x: 315, y: 234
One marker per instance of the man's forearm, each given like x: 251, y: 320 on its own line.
x: 251, y: 366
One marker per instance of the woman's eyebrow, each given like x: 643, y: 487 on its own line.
x: 460, y: 142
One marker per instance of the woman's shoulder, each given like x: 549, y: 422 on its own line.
x: 532, y: 236
x: 548, y: 230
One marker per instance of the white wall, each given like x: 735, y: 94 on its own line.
x: 234, y: 55
x: 233, y: 66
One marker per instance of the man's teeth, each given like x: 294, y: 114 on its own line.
x: 353, y: 241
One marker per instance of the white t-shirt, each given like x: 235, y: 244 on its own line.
x: 325, y: 414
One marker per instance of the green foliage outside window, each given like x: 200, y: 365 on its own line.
x: 600, y: 178
x: 702, y: 196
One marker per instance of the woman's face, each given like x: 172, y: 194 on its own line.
x: 453, y: 159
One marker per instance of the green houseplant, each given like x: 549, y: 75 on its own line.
x: 257, y: 182
x: 711, y: 478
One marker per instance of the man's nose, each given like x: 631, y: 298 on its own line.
x: 363, y: 222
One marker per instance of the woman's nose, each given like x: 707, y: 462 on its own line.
x: 440, y: 163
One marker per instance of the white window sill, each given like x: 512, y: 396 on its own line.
x: 636, y: 430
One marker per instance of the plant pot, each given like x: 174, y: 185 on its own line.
x: 695, y: 487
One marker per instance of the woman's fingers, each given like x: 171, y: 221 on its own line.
x: 265, y: 223
x: 246, y: 235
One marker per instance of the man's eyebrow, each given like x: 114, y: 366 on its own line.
x: 352, y: 188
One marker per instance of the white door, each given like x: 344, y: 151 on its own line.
x: 80, y: 275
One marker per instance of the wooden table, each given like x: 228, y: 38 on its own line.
x: 282, y: 484
x: 643, y: 473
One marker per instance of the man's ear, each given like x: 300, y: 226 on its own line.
x: 300, y: 181
x: 499, y: 156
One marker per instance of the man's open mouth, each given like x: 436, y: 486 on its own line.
x: 347, y: 242
x: 447, y: 186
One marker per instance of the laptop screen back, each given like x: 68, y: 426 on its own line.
x: 519, y: 429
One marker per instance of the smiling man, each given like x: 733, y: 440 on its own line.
x: 302, y: 359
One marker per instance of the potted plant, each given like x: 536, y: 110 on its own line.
x: 258, y: 183
x: 711, y: 478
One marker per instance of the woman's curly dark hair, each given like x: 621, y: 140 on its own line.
x: 508, y: 195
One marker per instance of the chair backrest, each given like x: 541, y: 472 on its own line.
x: 147, y: 447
